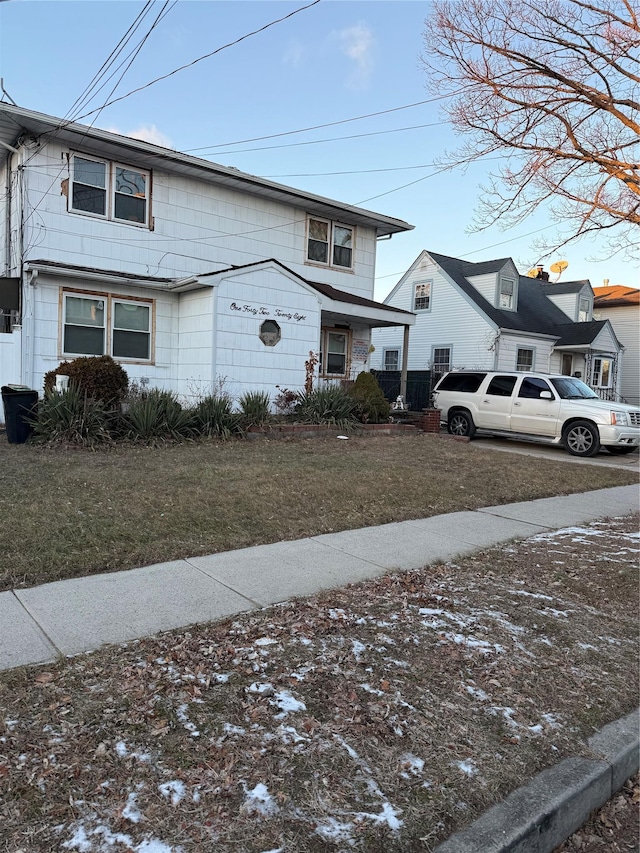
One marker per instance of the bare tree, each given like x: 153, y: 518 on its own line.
x: 554, y: 87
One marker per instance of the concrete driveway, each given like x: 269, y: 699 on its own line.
x: 630, y: 462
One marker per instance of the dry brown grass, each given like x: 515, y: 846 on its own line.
x: 379, y: 717
x: 71, y: 513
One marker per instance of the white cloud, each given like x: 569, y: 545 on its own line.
x: 294, y: 54
x: 357, y: 43
x: 146, y: 133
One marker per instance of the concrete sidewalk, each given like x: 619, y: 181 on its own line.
x: 79, y: 615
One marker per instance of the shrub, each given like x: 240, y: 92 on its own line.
x: 255, y: 408
x: 285, y: 401
x: 73, y: 417
x: 99, y: 377
x: 158, y: 415
x: 372, y: 406
x: 213, y: 417
x: 328, y: 404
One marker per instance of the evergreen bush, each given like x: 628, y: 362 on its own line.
x: 98, y: 377
x: 371, y: 405
x: 213, y: 416
x: 255, y: 408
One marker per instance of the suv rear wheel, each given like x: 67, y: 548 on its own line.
x: 461, y: 423
x: 581, y: 438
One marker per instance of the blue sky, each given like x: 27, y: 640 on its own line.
x: 337, y: 60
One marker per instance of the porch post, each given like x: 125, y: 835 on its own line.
x: 405, y: 360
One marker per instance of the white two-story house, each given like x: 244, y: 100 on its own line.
x: 487, y: 316
x: 189, y: 273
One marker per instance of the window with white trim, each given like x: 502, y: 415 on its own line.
x: 507, y: 293
x: 584, y: 309
x: 334, y: 346
x: 330, y: 243
x: 391, y: 359
x: 106, y: 325
x: 440, y: 362
x: 524, y: 359
x: 601, y: 372
x: 422, y: 296
x: 109, y: 190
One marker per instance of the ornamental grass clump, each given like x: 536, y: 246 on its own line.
x: 158, y: 415
x: 213, y: 417
x: 255, y: 408
x: 329, y: 404
x: 72, y: 417
x: 372, y: 407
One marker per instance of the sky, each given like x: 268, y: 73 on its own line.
x: 332, y: 62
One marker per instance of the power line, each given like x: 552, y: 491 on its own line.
x: 201, y: 58
x: 84, y: 95
x: 327, y: 124
x: 331, y: 139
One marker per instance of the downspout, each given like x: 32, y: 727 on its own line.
x: 7, y: 217
x: 405, y: 361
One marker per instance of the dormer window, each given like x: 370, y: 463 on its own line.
x: 507, y: 294
x: 584, y: 309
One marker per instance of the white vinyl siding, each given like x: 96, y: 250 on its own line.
x: 453, y: 321
x: 193, y: 226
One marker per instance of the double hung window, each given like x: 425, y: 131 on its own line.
x: 334, y: 348
x: 391, y: 359
x: 422, y: 296
x: 524, y: 359
x: 330, y: 243
x: 506, y: 297
x: 106, y: 325
x: 109, y: 190
x: 440, y: 361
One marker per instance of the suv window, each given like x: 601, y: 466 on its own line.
x: 502, y: 386
x: 532, y: 387
x: 469, y: 382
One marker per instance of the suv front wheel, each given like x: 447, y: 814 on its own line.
x: 461, y: 423
x: 581, y: 438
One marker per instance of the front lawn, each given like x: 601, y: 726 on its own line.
x: 67, y: 513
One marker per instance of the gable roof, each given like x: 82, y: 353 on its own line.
x: 615, y: 296
x: 333, y: 293
x: 566, y: 287
x: 580, y: 334
x: 536, y: 313
x: 16, y: 122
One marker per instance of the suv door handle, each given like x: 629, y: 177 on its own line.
x: 517, y: 404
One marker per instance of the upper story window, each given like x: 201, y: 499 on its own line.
x: 422, y: 296
x: 524, y: 359
x: 507, y: 294
x: 109, y: 190
x: 584, y: 309
x: 330, y: 243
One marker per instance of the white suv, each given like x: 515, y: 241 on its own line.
x: 555, y: 409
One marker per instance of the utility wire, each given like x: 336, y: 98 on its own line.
x: 201, y: 58
x: 84, y: 97
x: 331, y: 139
x: 327, y: 124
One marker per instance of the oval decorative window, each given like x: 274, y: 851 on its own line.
x: 270, y: 333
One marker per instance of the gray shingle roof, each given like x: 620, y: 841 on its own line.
x: 536, y: 312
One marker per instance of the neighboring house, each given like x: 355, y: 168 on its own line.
x: 189, y: 273
x: 621, y: 306
x: 488, y: 316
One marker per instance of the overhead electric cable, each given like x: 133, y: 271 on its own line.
x: 201, y: 58
x: 327, y: 124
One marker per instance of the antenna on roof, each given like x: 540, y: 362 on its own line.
x: 558, y: 267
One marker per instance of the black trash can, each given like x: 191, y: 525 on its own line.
x: 20, y: 405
